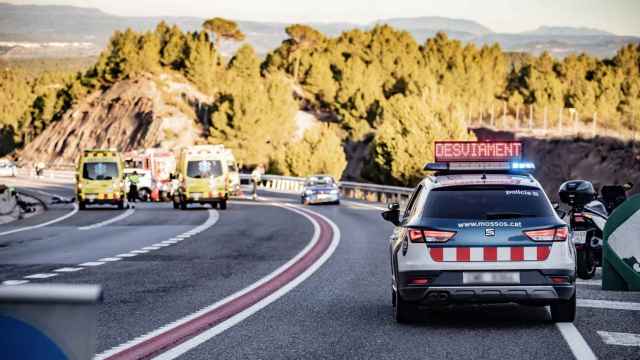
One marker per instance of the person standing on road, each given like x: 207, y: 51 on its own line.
x: 256, y: 177
x: 134, y: 179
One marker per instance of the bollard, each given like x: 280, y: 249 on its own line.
x: 48, y: 321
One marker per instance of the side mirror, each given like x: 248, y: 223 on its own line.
x: 393, y: 214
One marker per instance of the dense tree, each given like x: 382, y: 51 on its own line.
x: 302, y: 37
x: 318, y: 152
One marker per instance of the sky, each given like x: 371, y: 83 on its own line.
x: 617, y: 16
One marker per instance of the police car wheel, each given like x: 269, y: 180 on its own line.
x: 586, y: 264
x: 564, y: 311
x: 403, y: 312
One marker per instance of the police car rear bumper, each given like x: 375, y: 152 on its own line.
x: 536, y: 288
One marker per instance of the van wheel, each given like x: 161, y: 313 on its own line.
x: 403, y: 312
x: 82, y: 205
x: 223, y: 205
x: 564, y: 311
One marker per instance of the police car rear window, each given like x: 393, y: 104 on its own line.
x: 204, y: 168
x: 486, y: 203
x: 100, y: 171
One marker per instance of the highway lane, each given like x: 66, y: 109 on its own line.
x: 342, y: 311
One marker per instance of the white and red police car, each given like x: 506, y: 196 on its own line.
x: 480, y: 230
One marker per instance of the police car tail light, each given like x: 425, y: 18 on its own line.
x: 438, y: 236
x: 553, y: 234
x: 416, y: 235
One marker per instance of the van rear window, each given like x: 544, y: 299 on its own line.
x: 100, y: 171
x: 483, y: 202
x: 204, y: 168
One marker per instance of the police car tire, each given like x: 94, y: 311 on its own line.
x: 564, y: 311
x: 403, y: 312
x: 586, y: 264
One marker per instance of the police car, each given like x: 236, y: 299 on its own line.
x: 480, y: 230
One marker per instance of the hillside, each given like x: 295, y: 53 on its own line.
x: 63, y: 31
x: 132, y: 114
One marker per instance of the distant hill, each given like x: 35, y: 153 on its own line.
x: 71, y: 25
x: 567, y: 31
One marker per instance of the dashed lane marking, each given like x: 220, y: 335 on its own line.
x: 124, y: 215
x: 139, y: 251
x: 68, y: 269
x: 40, y: 276
x: 14, y: 282
x: 110, y: 259
x: 619, y: 338
x: 127, y: 255
x: 577, y: 344
x: 150, y: 248
x: 92, y: 263
x: 589, y: 282
x: 608, y: 304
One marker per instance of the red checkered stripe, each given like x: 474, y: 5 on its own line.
x: 490, y: 254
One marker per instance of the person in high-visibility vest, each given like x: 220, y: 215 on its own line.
x: 134, y: 180
x: 256, y: 176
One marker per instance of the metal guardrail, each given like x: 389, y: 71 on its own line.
x: 348, y: 189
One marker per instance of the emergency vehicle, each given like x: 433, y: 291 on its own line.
x: 480, y: 229
x: 203, y: 177
x: 160, y: 164
x: 99, y: 178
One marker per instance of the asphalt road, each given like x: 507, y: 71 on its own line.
x: 343, y: 310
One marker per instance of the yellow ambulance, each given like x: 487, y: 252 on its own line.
x: 100, y: 179
x: 203, y: 177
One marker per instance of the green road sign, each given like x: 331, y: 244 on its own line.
x: 621, y: 252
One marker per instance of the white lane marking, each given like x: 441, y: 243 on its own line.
x: 170, y: 242
x: 40, y: 276
x: 161, y: 245
x: 607, y: 304
x: 63, y: 217
x: 150, y: 248
x: 14, y: 282
x: 619, y: 338
x: 92, y: 263
x: 110, y: 259
x: 68, y: 269
x: 589, y: 282
x: 128, y: 255
x: 139, y: 251
x: 124, y: 215
x: 182, y: 236
x: 208, y: 334
x: 363, y: 205
x: 576, y: 342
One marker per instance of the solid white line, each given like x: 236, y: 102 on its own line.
x: 40, y: 276
x: 14, y: 282
x: 139, y: 251
x: 150, y: 248
x: 161, y: 245
x: 109, y: 259
x: 618, y: 338
x: 63, y: 217
x: 68, y: 269
x: 128, y: 255
x: 363, y: 205
x: 124, y: 215
x: 195, y: 341
x: 577, y: 344
x: 92, y: 263
x: 607, y: 304
x: 169, y: 242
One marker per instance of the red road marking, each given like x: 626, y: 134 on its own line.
x: 188, y: 330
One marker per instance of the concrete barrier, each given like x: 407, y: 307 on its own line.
x: 48, y: 321
x: 621, y: 251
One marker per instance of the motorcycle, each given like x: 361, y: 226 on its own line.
x: 586, y: 218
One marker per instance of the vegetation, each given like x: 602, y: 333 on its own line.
x: 380, y: 87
